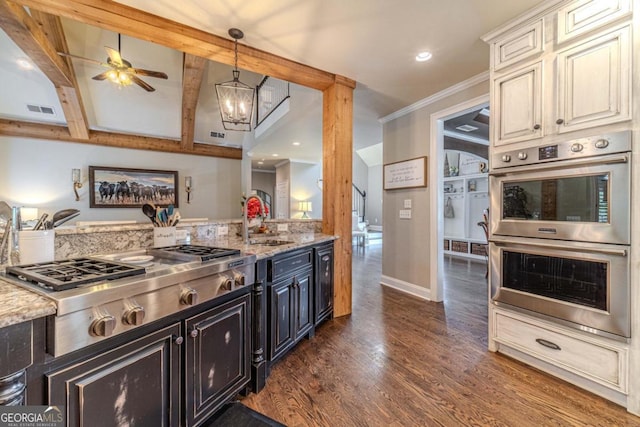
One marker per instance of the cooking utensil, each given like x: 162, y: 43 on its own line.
x: 175, y: 219
x: 63, y: 216
x: 5, y: 211
x: 41, y: 222
x: 150, y: 211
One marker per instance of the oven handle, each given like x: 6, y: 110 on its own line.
x: 617, y: 252
x: 590, y: 161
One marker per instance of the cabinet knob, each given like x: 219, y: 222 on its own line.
x: 536, y: 126
x: 193, y: 333
x: 178, y: 340
x: 559, y: 121
x: 189, y: 297
x: 103, y: 326
x: 133, y: 316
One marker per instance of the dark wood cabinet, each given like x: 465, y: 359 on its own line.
x: 218, y: 357
x: 290, y: 300
x: 135, y: 384
x: 291, y: 315
x: 323, y: 283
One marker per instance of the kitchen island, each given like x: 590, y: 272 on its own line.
x: 242, y: 312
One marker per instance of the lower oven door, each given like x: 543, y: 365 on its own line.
x: 582, y: 285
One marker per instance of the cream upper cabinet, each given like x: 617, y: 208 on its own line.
x: 594, y: 82
x: 582, y: 16
x: 579, y: 85
x: 517, y: 102
x: 523, y: 43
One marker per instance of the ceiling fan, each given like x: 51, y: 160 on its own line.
x: 120, y: 70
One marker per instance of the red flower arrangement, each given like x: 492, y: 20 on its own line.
x: 253, y: 209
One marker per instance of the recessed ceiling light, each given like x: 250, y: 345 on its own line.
x: 274, y: 155
x: 261, y: 162
x: 467, y: 128
x: 25, y: 64
x: 423, y: 56
x: 296, y: 143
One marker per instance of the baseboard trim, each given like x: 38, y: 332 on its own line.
x: 406, y: 287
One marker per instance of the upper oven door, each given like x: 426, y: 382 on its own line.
x: 582, y: 200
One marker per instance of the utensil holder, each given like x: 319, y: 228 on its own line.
x: 36, y: 246
x: 164, y: 236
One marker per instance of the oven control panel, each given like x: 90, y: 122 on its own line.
x: 598, y: 145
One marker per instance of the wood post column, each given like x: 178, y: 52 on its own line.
x: 337, y: 154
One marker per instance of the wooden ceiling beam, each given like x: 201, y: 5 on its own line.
x: 69, y: 96
x: 110, y: 139
x: 117, y: 17
x: 25, y: 32
x: 192, y: 74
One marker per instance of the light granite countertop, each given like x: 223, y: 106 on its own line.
x: 20, y: 305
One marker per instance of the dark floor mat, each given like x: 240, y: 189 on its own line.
x: 235, y: 414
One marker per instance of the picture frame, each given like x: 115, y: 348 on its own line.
x: 114, y: 187
x: 410, y: 173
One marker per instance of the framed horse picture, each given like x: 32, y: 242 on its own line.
x: 111, y: 187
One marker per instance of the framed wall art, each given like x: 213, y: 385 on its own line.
x: 112, y: 187
x: 406, y: 174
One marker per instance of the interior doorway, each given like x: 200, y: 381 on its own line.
x: 468, y: 183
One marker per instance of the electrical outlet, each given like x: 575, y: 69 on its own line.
x: 283, y: 227
x: 223, y: 230
x: 405, y: 214
x: 407, y: 204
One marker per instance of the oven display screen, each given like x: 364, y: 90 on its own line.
x: 548, y: 152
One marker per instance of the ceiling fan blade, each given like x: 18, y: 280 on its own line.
x: 114, y: 56
x: 144, y: 85
x: 101, y: 76
x: 83, y: 59
x: 149, y: 73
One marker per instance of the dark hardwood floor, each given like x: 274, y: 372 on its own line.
x: 401, y: 361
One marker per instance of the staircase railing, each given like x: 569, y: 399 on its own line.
x: 358, y: 200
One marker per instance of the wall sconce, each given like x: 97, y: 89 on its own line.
x: 187, y: 185
x: 76, y: 178
x: 304, y: 207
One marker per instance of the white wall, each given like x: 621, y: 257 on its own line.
x: 304, y: 187
x: 374, y: 196
x: 37, y: 173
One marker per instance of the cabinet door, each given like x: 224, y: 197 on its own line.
x: 281, y: 334
x: 303, y: 291
x: 517, y: 98
x: 594, y: 82
x: 136, y: 384
x: 323, y: 286
x: 516, y: 46
x: 218, y: 360
x: 581, y: 16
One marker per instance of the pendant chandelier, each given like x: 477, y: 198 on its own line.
x: 235, y: 99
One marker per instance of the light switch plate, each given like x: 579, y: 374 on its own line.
x: 223, y: 230
x: 405, y: 214
x: 407, y: 204
x: 283, y: 227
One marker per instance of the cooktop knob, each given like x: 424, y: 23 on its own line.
x: 227, y: 284
x: 239, y: 279
x: 103, y: 326
x: 189, y: 297
x: 522, y: 155
x: 506, y: 158
x: 133, y: 316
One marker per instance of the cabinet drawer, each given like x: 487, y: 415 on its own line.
x: 521, y: 44
x: 281, y: 267
x: 594, y: 359
x: 583, y: 16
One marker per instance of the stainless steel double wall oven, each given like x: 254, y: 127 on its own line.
x: 560, y: 232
